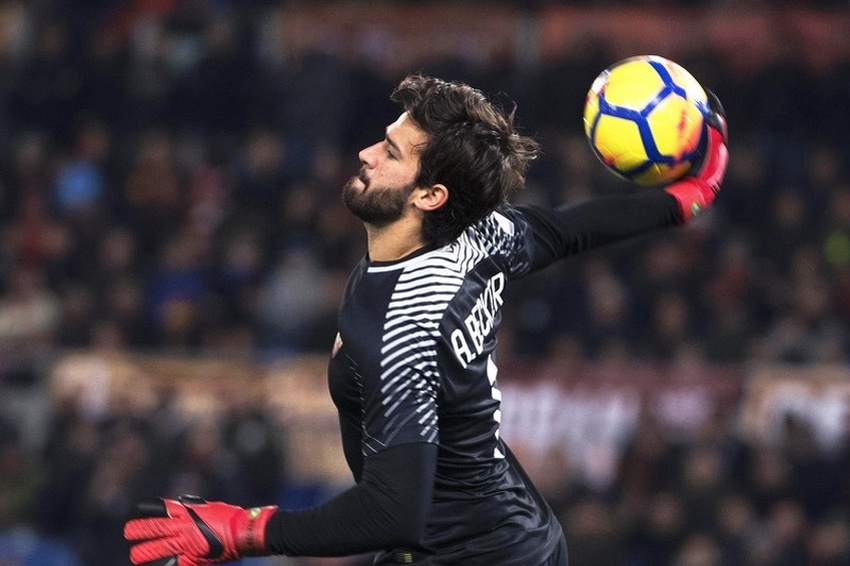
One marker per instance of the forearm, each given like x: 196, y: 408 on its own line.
x: 570, y: 230
x: 608, y: 220
x: 387, y: 508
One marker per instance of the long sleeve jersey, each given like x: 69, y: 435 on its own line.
x: 415, y: 380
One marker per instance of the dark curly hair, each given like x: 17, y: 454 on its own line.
x: 472, y: 148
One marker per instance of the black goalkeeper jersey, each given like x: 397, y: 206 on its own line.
x: 415, y: 381
x: 414, y: 363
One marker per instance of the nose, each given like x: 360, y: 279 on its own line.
x: 368, y: 156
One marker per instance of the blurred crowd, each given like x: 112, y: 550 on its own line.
x: 169, y: 182
x: 710, y: 500
x: 166, y: 182
x: 701, y: 495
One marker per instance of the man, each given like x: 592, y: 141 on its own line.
x: 412, y: 371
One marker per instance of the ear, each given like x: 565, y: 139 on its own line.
x: 430, y: 198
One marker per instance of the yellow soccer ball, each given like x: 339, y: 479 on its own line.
x: 643, y: 117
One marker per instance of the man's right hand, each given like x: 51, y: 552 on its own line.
x: 192, y: 532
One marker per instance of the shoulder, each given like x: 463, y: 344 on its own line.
x: 501, y: 236
x: 504, y: 223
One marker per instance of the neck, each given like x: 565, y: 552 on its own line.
x: 394, y: 241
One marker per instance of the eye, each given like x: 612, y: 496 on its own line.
x: 390, y: 149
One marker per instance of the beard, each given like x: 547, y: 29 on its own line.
x: 377, y: 206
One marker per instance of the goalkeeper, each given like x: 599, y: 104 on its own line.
x: 412, y: 371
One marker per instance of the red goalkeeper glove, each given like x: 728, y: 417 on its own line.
x: 697, y: 190
x: 192, y: 532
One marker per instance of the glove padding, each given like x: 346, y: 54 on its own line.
x: 697, y: 190
x: 192, y: 532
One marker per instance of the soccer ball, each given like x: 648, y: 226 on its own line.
x: 644, y: 119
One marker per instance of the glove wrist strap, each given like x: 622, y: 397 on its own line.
x: 690, y: 193
x: 250, y: 531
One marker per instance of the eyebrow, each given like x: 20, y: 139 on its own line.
x: 392, y: 143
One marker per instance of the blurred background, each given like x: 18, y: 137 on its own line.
x: 173, y: 251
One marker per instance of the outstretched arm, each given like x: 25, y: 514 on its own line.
x: 387, y: 508
x: 569, y: 230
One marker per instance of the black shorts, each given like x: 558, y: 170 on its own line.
x: 558, y: 558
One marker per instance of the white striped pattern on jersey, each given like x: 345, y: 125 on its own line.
x: 422, y: 294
